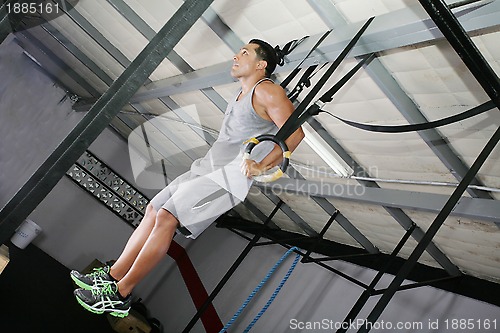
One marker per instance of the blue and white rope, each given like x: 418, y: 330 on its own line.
x: 257, y: 289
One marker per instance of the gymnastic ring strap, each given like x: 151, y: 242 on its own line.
x: 251, y: 143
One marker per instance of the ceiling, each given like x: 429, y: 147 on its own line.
x: 395, y: 180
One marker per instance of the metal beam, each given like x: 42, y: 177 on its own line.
x: 404, y: 220
x: 99, y: 116
x: 291, y: 214
x: 142, y: 26
x: 75, y: 51
x: 464, y: 47
x: 90, y: 30
x: 473, y: 208
x: 344, y: 223
x: 404, y: 27
x: 133, y: 18
x: 469, y: 286
x: 446, y: 210
x: 220, y: 28
x: 328, y: 13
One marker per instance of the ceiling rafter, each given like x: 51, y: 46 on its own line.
x: 384, y: 80
x: 405, y: 27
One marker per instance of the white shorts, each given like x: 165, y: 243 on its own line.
x: 196, y: 201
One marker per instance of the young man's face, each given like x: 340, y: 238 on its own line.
x: 246, y: 62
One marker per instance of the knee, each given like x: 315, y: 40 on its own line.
x: 166, y: 219
x: 150, y: 210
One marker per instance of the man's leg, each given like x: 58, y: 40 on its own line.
x: 127, y: 257
x: 142, y: 253
x: 134, y: 244
x: 150, y: 253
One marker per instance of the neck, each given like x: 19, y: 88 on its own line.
x: 247, y: 83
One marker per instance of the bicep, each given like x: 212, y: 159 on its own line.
x: 279, y: 108
x: 280, y: 114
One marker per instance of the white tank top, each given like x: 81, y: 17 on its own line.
x: 240, y: 123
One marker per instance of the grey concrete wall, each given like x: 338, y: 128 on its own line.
x: 33, y: 118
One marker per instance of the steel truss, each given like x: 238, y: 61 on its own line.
x: 446, y: 21
x: 450, y: 27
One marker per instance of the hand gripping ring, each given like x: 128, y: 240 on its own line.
x: 251, y: 143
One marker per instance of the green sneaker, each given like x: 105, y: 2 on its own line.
x: 104, y: 297
x: 87, y: 281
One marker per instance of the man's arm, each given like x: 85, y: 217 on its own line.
x: 270, y: 101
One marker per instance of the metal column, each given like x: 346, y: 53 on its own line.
x: 98, y: 117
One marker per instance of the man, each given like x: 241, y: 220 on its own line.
x: 260, y: 107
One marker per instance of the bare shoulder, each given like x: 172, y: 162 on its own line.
x: 271, y: 103
x: 268, y: 93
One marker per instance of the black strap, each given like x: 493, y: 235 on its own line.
x: 328, y: 96
x: 281, y: 53
x: 336, y: 63
x: 293, y: 121
x: 297, y: 68
x: 314, y: 109
x: 422, y: 126
x: 304, y: 81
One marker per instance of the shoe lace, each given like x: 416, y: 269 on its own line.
x: 104, y: 289
x: 98, y: 272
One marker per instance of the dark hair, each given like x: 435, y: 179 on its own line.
x: 267, y: 53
